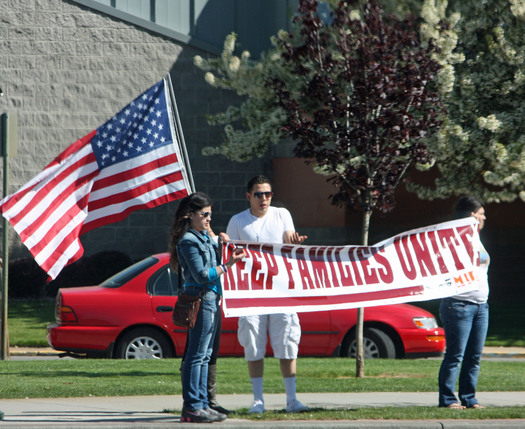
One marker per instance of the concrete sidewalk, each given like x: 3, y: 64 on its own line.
x: 150, y: 411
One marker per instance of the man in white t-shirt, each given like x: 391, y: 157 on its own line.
x: 264, y: 223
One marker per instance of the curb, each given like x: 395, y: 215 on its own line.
x: 488, y: 352
x: 33, y: 351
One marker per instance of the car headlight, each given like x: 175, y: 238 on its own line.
x: 425, y: 322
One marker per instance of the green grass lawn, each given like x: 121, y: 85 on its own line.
x: 386, y: 413
x: 113, y: 377
x: 101, y: 377
x: 27, y: 321
x: 104, y: 377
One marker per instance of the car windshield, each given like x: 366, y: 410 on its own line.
x: 127, y: 274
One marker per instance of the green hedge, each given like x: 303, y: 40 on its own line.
x: 28, y: 280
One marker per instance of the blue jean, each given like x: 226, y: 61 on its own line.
x: 465, y: 325
x: 200, y: 347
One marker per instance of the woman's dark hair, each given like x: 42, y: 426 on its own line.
x: 466, y: 206
x: 182, y: 222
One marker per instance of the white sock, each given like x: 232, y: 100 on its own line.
x: 257, y: 386
x: 289, y: 385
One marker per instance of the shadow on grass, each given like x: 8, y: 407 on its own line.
x: 40, y: 311
x: 60, y: 374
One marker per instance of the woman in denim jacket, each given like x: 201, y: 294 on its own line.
x: 194, y: 248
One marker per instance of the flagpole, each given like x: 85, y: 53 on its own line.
x: 180, y: 135
x: 5, y: 239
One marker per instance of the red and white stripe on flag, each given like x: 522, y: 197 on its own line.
x: 131, y: 162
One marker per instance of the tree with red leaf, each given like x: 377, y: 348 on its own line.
x: 364, y: 101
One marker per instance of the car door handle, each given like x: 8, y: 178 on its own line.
x: 164, y: 309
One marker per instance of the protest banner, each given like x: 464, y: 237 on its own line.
x: 426, y: 263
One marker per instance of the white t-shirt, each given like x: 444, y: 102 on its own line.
x: 267, y: 229
x: 481, y: 295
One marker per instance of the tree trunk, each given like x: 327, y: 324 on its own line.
x: 359, y: 357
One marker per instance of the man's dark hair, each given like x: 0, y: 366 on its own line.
x: 257, y: 180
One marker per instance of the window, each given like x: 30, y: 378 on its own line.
x: 129, y: 273
x: 164, y: 282
x: 205, y: 23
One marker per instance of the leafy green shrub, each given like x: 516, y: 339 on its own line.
x: 90, y: 270
x: 28, y: 280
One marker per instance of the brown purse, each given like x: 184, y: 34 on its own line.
x: 186, y: 310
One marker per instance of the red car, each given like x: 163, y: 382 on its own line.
x: 129, y: 316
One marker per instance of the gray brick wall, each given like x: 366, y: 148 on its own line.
x: 66, y: 69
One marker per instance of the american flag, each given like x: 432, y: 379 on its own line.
x: 131, y: 162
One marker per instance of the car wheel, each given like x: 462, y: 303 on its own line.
x: 143, y: 343
x: 376, y: 344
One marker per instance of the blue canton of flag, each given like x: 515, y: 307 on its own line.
x: 142, y: 126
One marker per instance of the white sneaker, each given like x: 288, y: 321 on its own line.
x: 257, y: 408
x: 295, y: 406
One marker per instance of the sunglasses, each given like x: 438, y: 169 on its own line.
x: 204, y: 214
x: 259, y: 195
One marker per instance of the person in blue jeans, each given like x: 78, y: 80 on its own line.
x: 465, y: 318
x: 194, y: 248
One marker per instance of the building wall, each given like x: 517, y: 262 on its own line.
x: 206, y: 23
x: 66, y: 69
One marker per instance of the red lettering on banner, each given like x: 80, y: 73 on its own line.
x: 334, y: 265
x: 423, y: 257
x: 243, y: 274
x: 257, y: 272
x: 405, y: 258
x: 227, y: 281
x: 441, y: 262
x: 344, y: 270
x: 355, y: 269
x: 271, y: 264
x: 370, y: 274
x: 286, y: 252
x: 312, y: 254
x: 466, y: 233
x: 303, y: 268
x: 447, y: 237
x: 243, y: 269
x: 239, y: 268
x: 321, y: 277
x: 386, y: 274
x: 444, y: 253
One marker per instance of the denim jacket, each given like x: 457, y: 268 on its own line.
x: 198, y: 258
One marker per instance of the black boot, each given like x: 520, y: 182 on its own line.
x: 212, y: 383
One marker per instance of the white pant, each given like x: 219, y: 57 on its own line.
x: 284, y: 331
